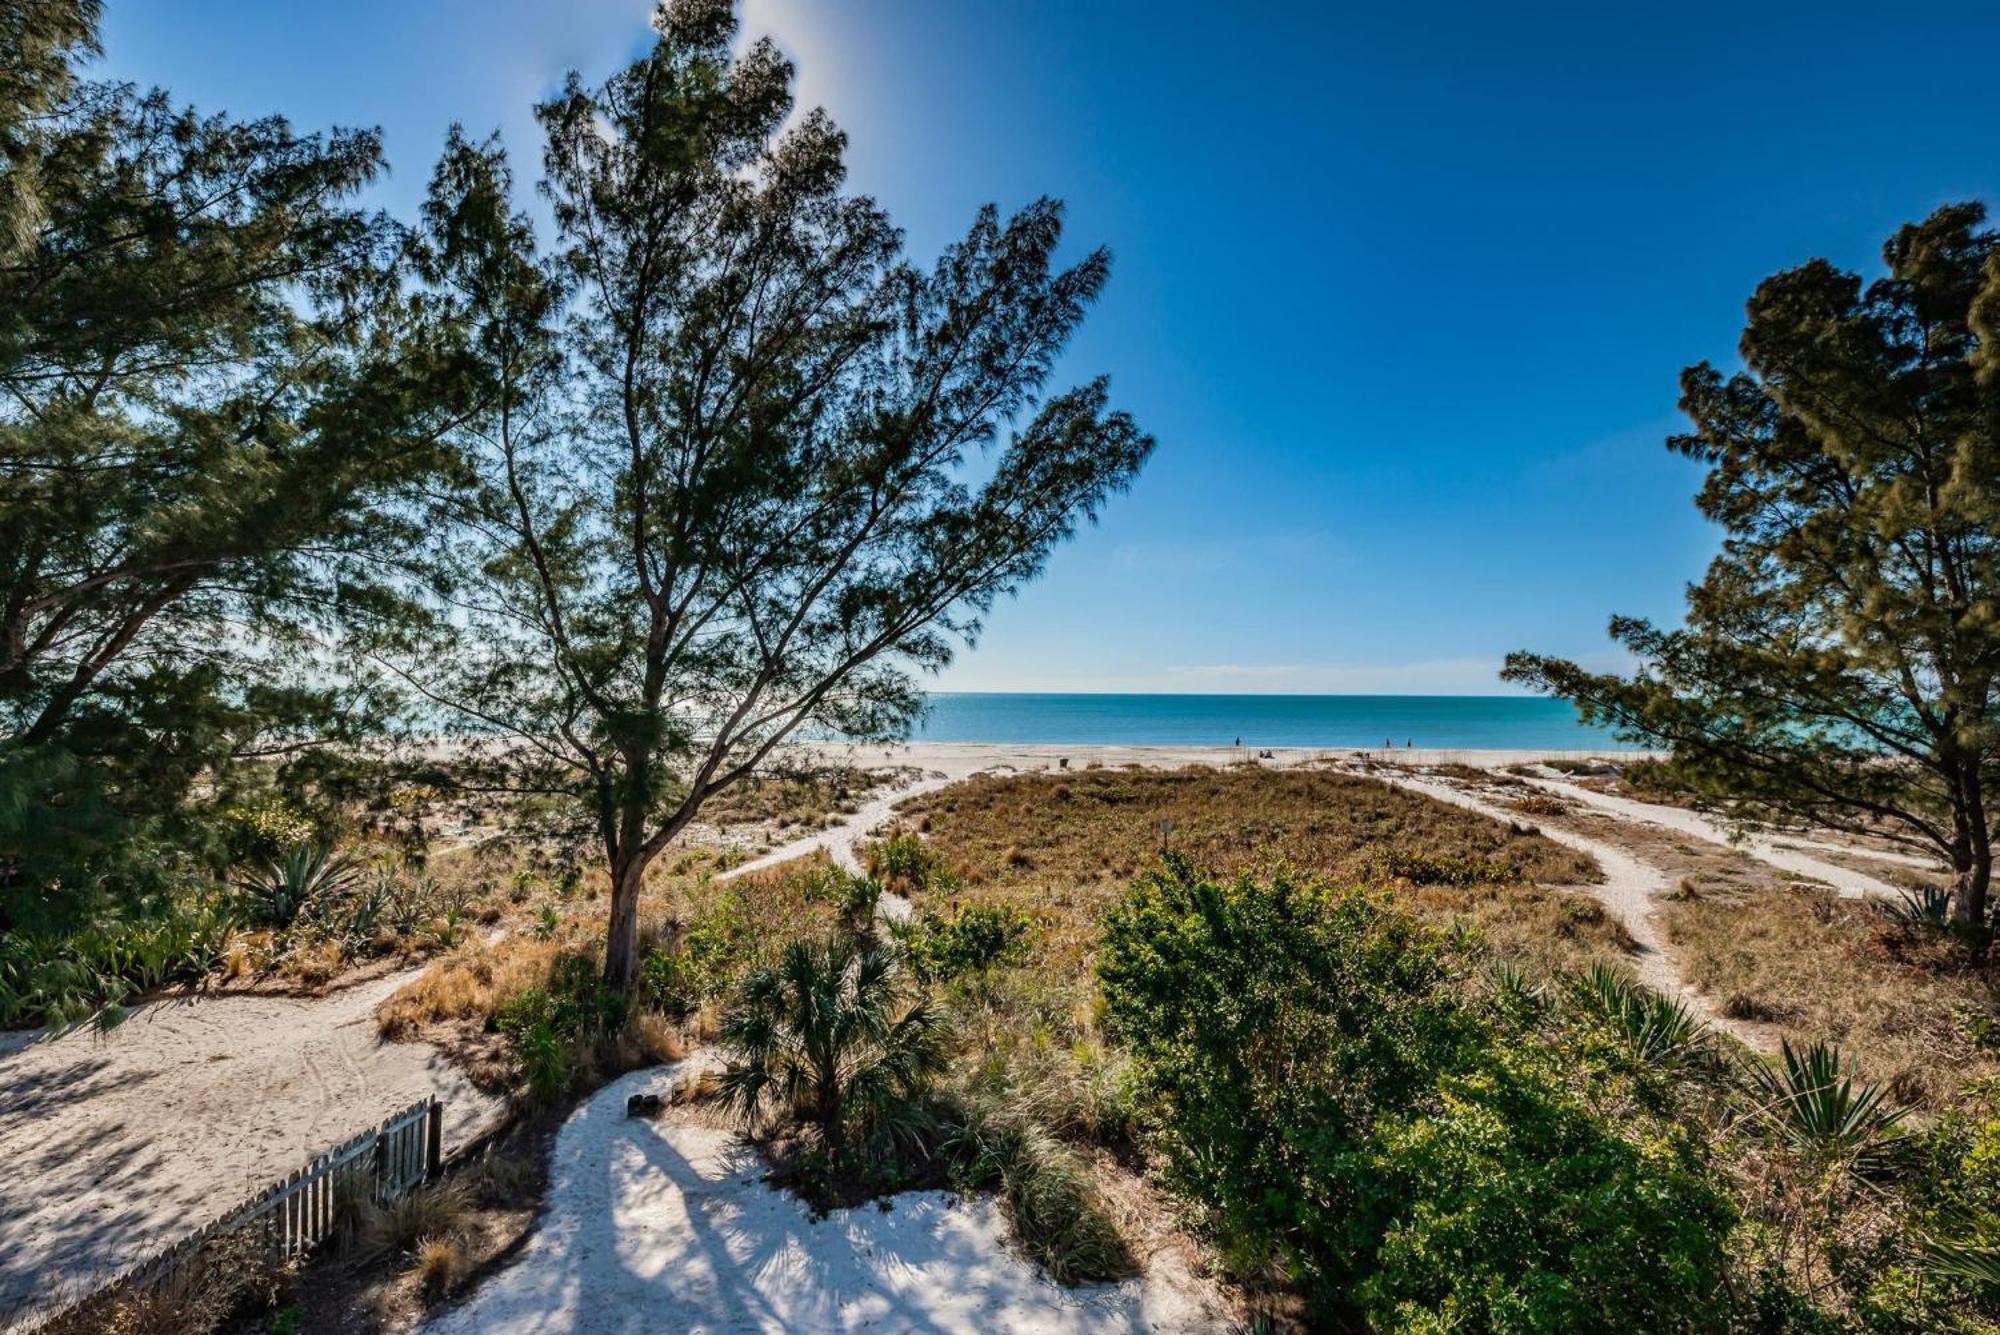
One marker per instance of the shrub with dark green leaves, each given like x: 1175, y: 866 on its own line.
x: 703, y: 964
x: 1340, y: 1113
x: 971, y: 940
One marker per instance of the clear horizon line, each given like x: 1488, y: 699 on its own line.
x: 1281, y: 695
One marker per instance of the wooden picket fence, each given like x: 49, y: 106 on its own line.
x: 288, y: 1218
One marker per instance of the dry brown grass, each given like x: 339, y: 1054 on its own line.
x: 1903, y: 1002
x: 470, y: 983
x: 1062, y: 848
x: 228, y: 1278
x: 439, y: 1264
x: 807, y: 800
x: 1104, y: 825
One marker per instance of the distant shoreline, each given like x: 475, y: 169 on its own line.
x: 1328, y: 722
x: 958, y: 760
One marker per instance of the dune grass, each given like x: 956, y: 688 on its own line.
x: 1060, y: 848
x: 1907, y: 1002
x: 808, y: 799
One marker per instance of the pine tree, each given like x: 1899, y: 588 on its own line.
x: 725, y: 491
x: 1838, y: 659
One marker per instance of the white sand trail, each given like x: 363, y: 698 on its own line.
x: 1627, y: 892
x: 1788, y: 856
x: 654, y: 1226
x: 116, y: 1146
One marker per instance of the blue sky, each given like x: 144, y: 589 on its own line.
x: 1403, y: 290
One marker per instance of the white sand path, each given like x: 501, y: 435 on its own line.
x: 1790, y: 855
x: 1627, y: 892
x: 656, y: 1226
x: 112, y: 1147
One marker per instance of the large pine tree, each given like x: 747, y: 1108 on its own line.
x: 745, y: 469
x: 1839, y: 658
x: 213, y: 392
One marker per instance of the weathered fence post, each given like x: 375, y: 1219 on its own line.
x: 434, y: 1142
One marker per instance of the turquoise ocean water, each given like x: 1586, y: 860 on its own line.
x: 1428, y: 721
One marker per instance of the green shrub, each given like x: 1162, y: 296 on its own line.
x: 552, y: 1029
x: 973, y: 939
x: 1339, y: 1113
x: 703, y: 964
x: 88, y: 971
x: 903, y: 863
x: 1510, y: 1207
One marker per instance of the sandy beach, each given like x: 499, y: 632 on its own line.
x: 958, y: 760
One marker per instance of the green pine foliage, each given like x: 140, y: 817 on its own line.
x: 1836, y: 664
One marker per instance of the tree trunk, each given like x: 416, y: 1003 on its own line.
x: 1969, y: 887
x: 1971, y: 854
x: 621, y: 943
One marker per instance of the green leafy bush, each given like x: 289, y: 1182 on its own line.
x: 904, y: 863
x: 973, y: 939
x: 551, y: 1028
x: 703, y: 964
x: 1341, y: 1114
x: 89, y: 971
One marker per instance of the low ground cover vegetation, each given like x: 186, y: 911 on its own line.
x: 1912, y: 1000
x: 1378, y: 1133
x: 1061, y: 849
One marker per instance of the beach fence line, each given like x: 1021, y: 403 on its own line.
x: 291, y: 1216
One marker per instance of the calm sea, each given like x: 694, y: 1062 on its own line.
x: 1435, y: 721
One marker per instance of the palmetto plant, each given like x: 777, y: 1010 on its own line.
x: 830, y: 1035
x: 1925, y: 906
x: 283, y: 886
x: 1657, y: 1028
x: 1822, y: 1113
x: 1964, y: 1248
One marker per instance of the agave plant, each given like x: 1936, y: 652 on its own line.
x: 1657, y: 1028
x: 281, y: 888
x: 1823, y: 1113
x: 1517, y: 990
x: 830, y: 1035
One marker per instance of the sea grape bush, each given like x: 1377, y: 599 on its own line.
x: 972, y: 939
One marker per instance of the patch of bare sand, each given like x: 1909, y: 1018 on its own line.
x: 669, y: 1225
x: 116, y: 1146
